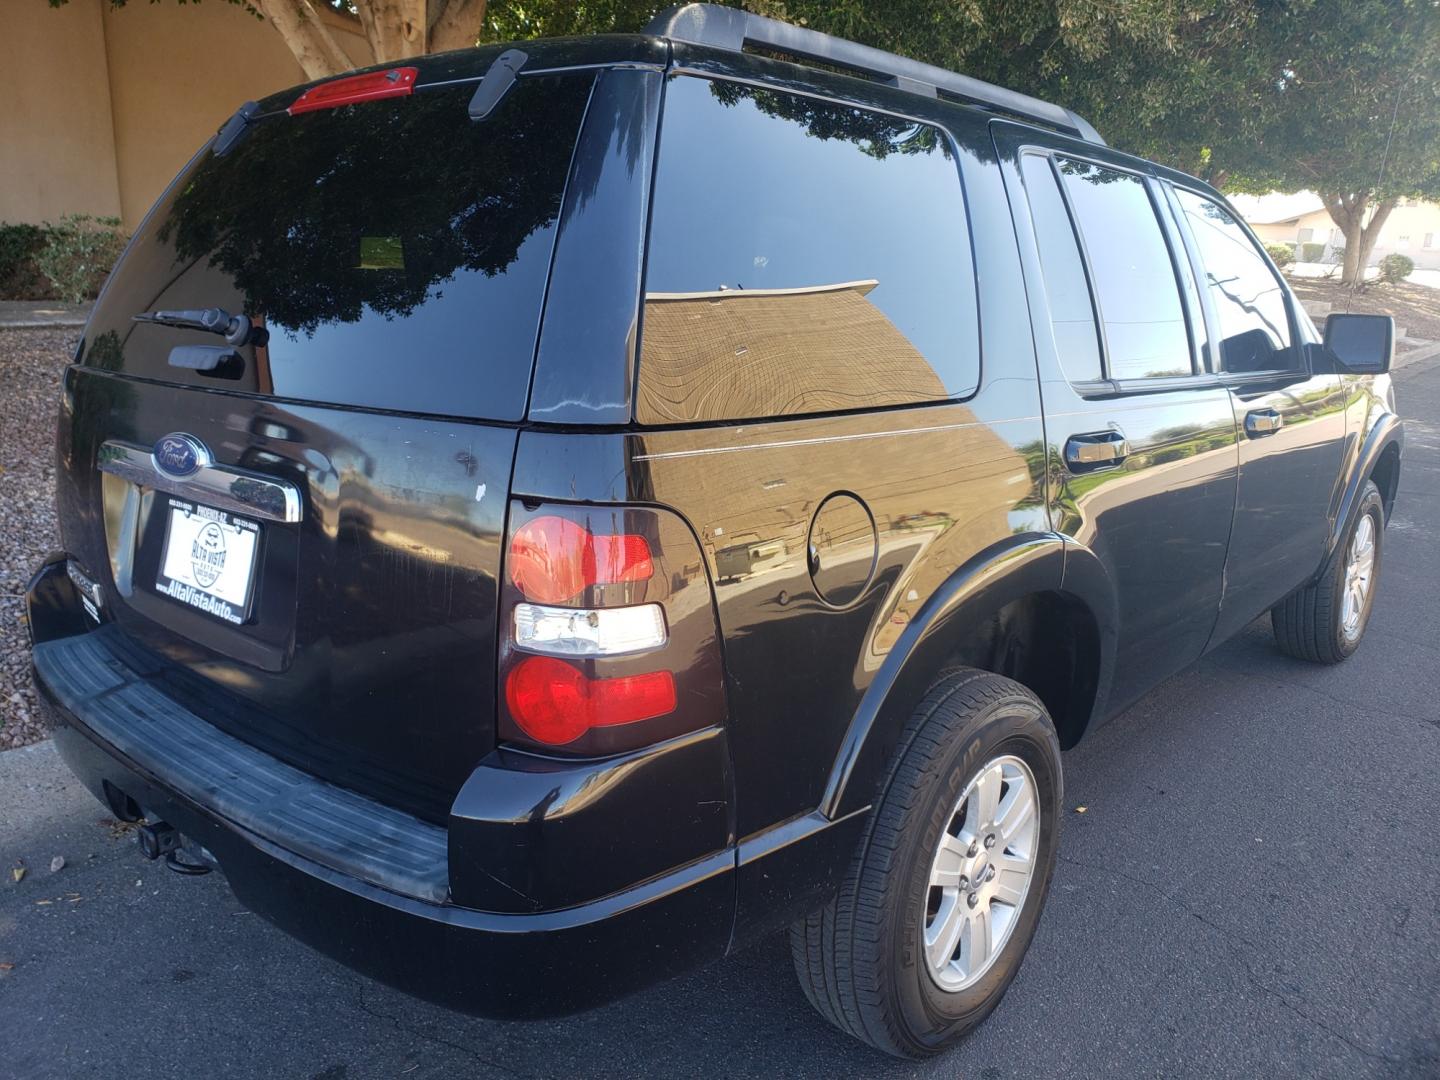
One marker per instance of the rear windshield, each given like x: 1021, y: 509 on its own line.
x: 396, y: 252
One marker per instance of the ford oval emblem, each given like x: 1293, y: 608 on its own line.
x: 178, y: 454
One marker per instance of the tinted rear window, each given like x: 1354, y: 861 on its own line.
x: 805, y: 257
x: 1145, y: 331
x: 396, y: 251
x: 1072, y: 314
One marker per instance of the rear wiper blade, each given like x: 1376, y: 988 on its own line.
x: 236, y: 329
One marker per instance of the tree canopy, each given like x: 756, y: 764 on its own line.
x: 1255, y: 95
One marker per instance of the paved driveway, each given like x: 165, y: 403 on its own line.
x: 1252, y: 891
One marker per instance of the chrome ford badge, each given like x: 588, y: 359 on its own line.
x: 178, y: 454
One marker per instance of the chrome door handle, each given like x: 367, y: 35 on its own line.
x: 1096, y: 450
x: 1263, y: 422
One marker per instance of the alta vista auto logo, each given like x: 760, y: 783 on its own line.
x: 207, y: 555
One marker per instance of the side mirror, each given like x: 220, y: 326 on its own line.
x: 1364, y: 344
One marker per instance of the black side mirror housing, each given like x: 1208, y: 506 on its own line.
x: 1364, y: 344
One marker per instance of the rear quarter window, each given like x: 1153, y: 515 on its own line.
x: 804, y: 257
x: 396, y: 251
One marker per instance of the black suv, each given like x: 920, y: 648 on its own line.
x: 540, y: 520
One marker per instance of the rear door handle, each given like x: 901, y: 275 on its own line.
x: 1096, y: 450
x: 1262, y: 422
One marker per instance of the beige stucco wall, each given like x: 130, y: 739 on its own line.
x: 176, y: 74
x: 104, y: 106
x: 1405, y: 232
x: 1283, y: 233
x: 57, y: 146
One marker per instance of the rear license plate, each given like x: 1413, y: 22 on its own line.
x: 209, y: 560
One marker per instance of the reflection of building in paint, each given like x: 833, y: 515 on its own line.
x: 939, y: 485
x: 740, y: 354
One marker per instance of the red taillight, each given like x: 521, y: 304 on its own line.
x: 372, y: 86
x: 555, y: 703
x: 553, y: 559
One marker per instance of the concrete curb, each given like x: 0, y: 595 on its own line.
x: 41, y: 315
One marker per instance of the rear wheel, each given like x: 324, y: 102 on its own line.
x: 1325, y: 621
x: 943, y: 897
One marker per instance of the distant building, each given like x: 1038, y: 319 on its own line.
x: 1413, y: 227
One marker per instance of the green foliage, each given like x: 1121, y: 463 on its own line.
x: 20, y: 278
x: 1282, y: 255
x: 78, y: 254
x: 1257, y: 95
x: 1395, y: 268
x: 322, y: 253
x: 1311, y: 252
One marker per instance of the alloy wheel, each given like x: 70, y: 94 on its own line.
x: 981, y: 873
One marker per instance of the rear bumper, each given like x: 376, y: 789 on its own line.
x: 358, y: 881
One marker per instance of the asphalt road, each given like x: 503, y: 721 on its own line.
x: 1251, y: 891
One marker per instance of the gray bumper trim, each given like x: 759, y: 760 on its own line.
x: 330, y: 825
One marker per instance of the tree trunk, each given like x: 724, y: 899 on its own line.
x: 395, y: 30
x: 456, y: 24
x: 1348, y: 212
x: 310, y: 42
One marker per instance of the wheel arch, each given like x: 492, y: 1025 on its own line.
x: 1386, y: 474
x: 1378, y: 460
x: 1036, y: 608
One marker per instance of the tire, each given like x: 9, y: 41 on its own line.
x: 1314, y: 623
x: 862, y: 958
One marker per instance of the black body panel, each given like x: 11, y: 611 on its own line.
x: 932, y: 498
x: 376, y: 611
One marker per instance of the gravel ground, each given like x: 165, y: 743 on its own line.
x: 31, y: 362
x: 1416, y: 308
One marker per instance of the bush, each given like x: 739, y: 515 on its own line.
x: 1311, y: 252
x: 1282, y: 255
x: 1395, y: 268
x: 20, y: 278
x: 78, y: 254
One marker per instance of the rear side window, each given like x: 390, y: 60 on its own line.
x: 1134, y: 279
x: 396, y: 251
x: 1072, y: 315
x: 804, y: 257
x: 1249, y: 302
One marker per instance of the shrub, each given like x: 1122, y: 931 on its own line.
x: 1311, y: 252
x: 78, y: 253
x: 1282, y: 255
x: 20, y: 278
x: 1395, y: 268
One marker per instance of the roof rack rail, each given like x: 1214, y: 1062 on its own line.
x: 733, y: 29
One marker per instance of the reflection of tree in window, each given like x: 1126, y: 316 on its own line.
x: 804, y: 257
x: 875, y: 133
x: 318, y: 217
x: 1254, y: 325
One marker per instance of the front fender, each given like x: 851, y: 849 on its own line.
x: 1001, y: 574
x: 1388, y: 431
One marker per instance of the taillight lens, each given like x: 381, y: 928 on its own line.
x: 555, y: 703
x: 609, y: 639
x: 554, y: 559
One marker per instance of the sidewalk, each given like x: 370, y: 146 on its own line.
x: 37, y: 314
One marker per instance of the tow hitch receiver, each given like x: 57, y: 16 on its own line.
x: 159, y: 839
